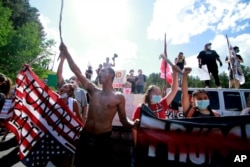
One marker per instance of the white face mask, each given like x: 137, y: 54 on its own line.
x: 209, y: 47
x: 64, y: 95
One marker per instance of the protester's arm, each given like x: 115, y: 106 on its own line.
x: 84, y: 112
x: 75, y: 69
x: 76, y: 109
x: 174, y: 88
x: 125, y: 121
x: 184, y: 87
x: 175, y: 60
x: 218, y: 58
x: 60, y: 79
x: 227, y: 60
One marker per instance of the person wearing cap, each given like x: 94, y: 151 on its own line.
x: 210, y: 57
x: 236, y: 75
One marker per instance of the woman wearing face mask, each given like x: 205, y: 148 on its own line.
x: 158, y: 104
x: 66, y: 94
x: 200, y: 103
x: 154, y: 100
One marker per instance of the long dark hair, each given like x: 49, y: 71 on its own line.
x: 5, y: 87
x: 194, y: 94
x: 147, y: 99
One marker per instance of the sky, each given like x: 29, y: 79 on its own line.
x: 134, y: 30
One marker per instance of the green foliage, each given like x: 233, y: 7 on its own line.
x: 5, y: 26
x: 194, y: 81
x: 22, y: 40
x: 154, y: 79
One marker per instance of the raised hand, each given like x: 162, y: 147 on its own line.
x: 187, y: 70
x: 221, y: 64
x: 63, y: 51
x: 63, y: 47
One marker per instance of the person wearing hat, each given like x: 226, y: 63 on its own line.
x: 210, y: 57
x: 132, y: 79
x: 236, y: 75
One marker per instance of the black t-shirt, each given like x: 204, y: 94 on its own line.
x: 208, y: 57
x: 180, y: 63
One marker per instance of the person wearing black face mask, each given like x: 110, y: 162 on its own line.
x: 236, y: 75
x: 210, y: 57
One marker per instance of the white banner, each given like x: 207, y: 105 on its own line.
x: 203, y: 73
x: 120, y: 78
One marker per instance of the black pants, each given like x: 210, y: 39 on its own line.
x: 94, y: 150
x: 214, y: 71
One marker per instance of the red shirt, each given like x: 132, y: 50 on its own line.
x: 159, y: 109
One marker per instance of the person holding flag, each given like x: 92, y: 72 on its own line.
x: 236, y: 75
x: 94, y: 147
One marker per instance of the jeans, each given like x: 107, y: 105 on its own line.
x: 139, y: 89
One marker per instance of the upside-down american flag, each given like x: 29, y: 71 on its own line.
x: 43, y: 125
x: 165, y: 68
x: 196, y: 142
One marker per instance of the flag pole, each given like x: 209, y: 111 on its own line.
x: 60, y: 25
x: 165, y: 53
x: 230, y: 55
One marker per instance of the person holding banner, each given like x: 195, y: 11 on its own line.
x: 235, y: 71
x: 94, y: 147
x: 199, y: 105
x: 209, y: 58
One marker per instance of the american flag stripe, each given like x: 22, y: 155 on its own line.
x: 38, y: 110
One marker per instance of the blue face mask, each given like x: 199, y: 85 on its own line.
x: 156, y: 98
x: 202, y: 104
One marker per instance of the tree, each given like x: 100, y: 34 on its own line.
x: 5, y: 26
x: 195, y: 82
x: 23, y: 40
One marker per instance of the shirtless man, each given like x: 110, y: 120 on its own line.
x: 94, y: 147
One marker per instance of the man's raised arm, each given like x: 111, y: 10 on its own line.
x: 74, y: 68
